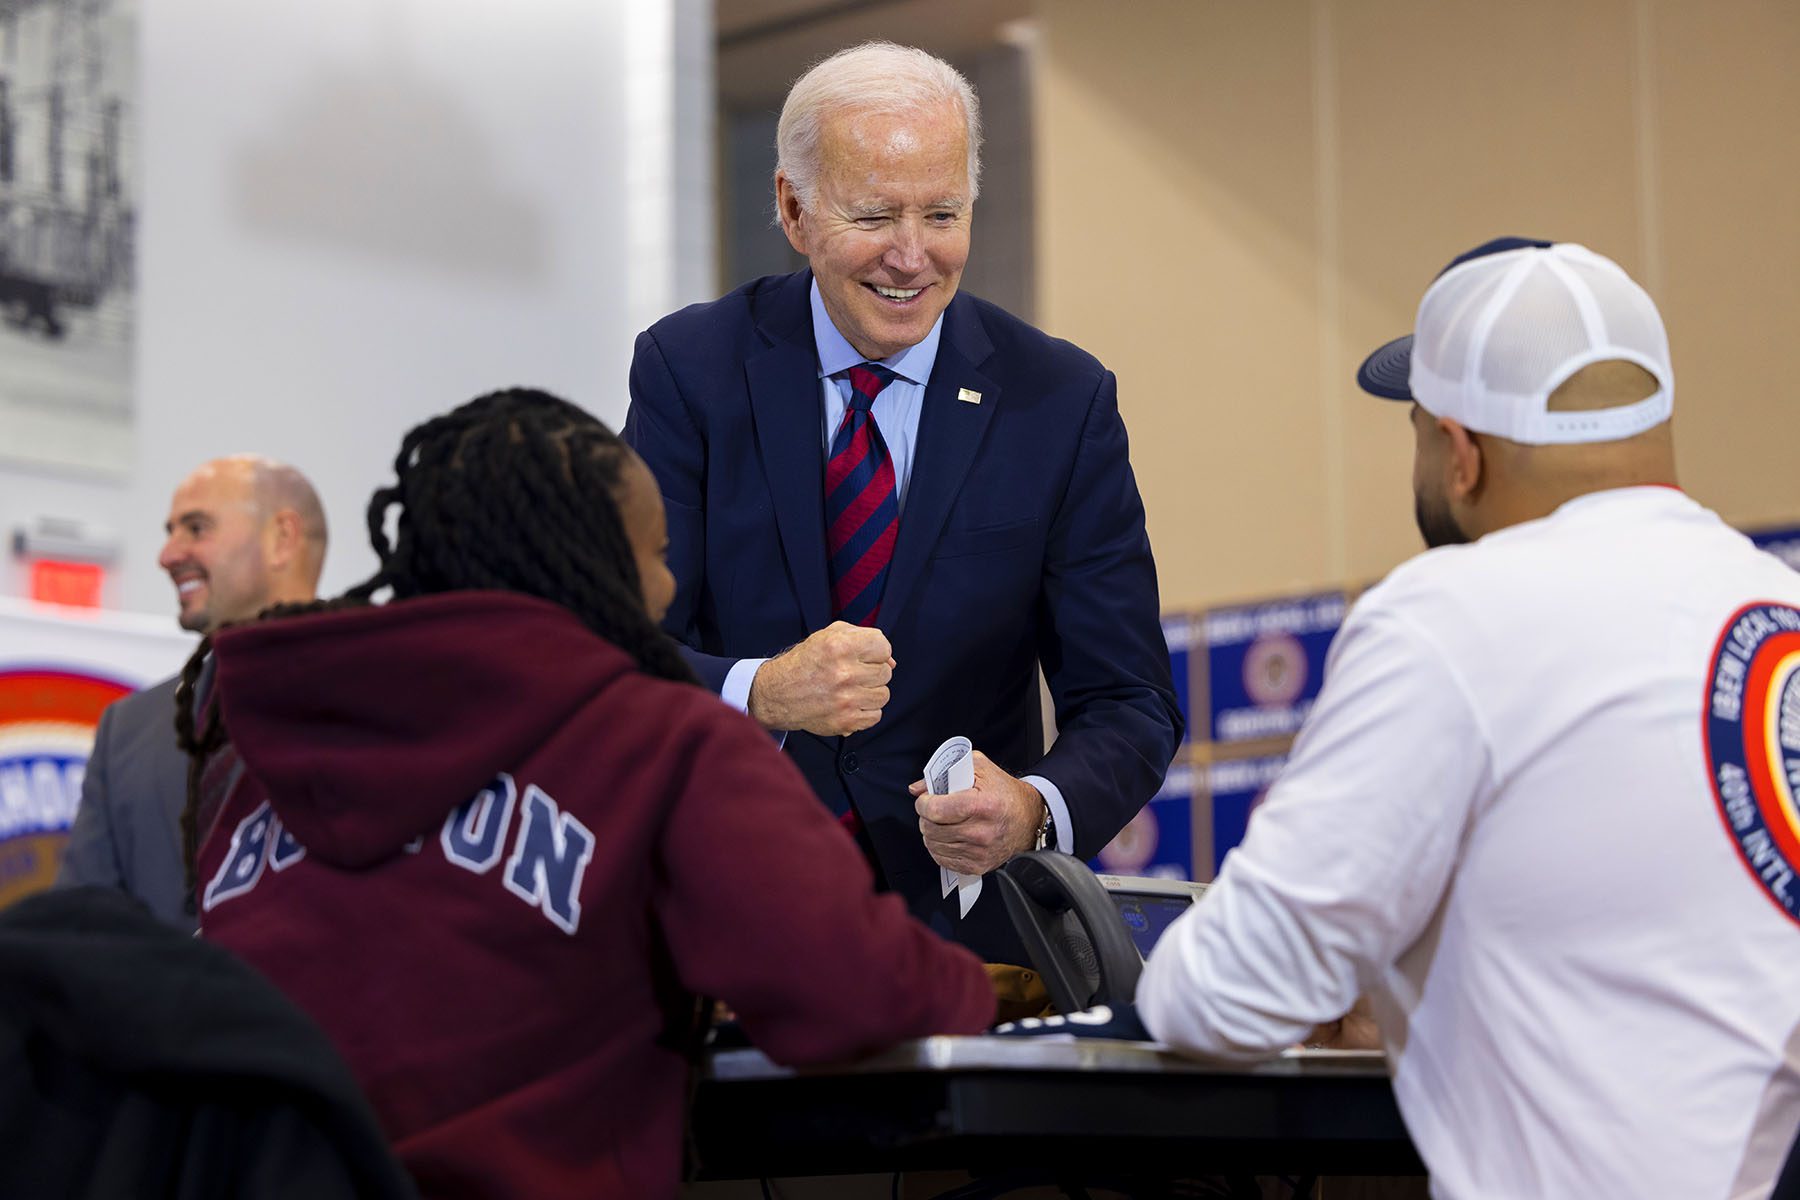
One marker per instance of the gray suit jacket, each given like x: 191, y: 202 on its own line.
x: 127, y: 832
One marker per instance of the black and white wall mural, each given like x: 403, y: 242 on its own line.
x: 68, y: 220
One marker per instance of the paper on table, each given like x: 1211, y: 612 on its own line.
x: 952, y: 769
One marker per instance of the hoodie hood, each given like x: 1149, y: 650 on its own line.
x: 367, y: 726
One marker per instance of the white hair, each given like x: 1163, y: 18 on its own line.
x: 875, y: 78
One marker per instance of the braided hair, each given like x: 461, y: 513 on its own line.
x: 519, y: 491
x: 515, y: 491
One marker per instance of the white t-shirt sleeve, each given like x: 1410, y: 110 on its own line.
x: 1344, y: 862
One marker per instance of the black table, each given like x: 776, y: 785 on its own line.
x: 1074, y: 1107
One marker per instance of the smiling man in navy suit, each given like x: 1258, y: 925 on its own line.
x: 889, y: 503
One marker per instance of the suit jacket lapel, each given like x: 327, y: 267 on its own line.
x: 170, y: 777
x: 785, y: 405
x: 950, y: 433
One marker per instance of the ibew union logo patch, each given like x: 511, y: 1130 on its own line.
x: 1753, y: 744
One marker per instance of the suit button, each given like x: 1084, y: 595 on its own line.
x: 850, y: 763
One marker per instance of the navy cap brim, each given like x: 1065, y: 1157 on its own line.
x: 1387, y: 372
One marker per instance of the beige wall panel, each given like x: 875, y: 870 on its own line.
x: 1257, y: 194
x: 1177, y: 242
x: 1726, y: 100
x: 1457, y: 123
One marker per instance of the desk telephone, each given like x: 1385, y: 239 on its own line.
x: 1087, y: 935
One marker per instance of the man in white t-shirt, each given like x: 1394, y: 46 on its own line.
x: 1543, y: 815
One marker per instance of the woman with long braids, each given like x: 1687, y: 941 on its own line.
x: 489, y: 836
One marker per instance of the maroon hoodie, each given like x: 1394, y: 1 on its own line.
x: 491, y: 858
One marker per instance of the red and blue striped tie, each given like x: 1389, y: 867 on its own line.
x: 862, y: 508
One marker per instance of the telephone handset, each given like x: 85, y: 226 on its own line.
x: 1071, y: 930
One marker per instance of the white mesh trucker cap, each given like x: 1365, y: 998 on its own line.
x: 1505, y: 324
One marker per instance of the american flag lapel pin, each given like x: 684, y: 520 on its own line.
x: 968, y: 397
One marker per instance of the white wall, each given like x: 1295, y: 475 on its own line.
x: 356, y: 213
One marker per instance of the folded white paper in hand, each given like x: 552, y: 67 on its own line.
x: 952, y: 769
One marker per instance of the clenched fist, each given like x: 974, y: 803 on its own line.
x: 833, y: 683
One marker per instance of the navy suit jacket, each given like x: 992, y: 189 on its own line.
x: 127, y: 832
x: 1022, y: 541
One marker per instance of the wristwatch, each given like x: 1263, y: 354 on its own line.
x: 1046, y: 830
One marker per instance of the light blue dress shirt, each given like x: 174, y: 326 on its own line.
x: 896, y: 412
x: 896, y: 408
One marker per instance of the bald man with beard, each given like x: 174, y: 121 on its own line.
x: 243, y: 533
x: 1542, y: 814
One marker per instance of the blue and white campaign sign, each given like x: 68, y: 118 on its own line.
x: 1159, y: 841
x: 59, y: 669
x: 1265, y: 663
x: 1237, y: 787
x: 1182, y: 632
x: 1782, y: 543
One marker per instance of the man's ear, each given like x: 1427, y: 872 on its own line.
x: 285, y: 537
x: 791, y: 212
x: 1464, y: 464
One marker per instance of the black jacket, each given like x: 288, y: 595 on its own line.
x: 136, y: 1061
